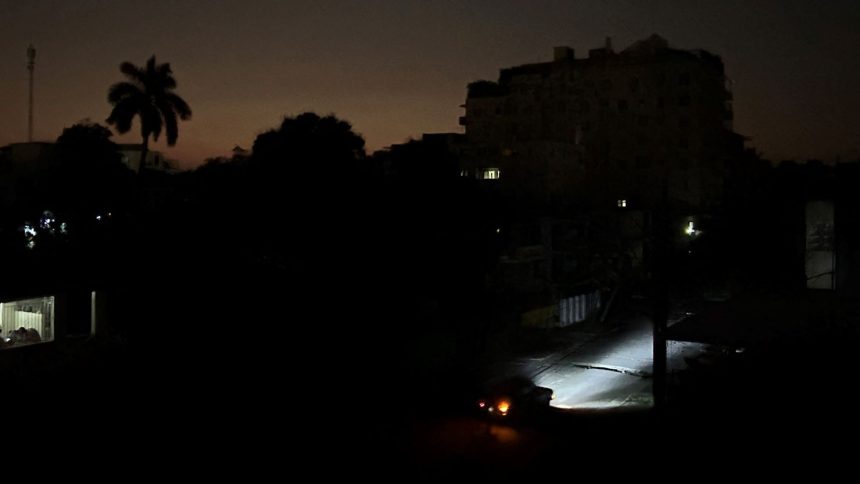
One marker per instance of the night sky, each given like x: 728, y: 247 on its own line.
x: 399, y: 68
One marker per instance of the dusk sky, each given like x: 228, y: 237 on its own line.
x: 398, y: 68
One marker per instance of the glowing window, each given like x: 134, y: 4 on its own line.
x: 622, y: 203
x: 491, y: 174
x: 26, y: 321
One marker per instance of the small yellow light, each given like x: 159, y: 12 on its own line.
x: 504, y: 405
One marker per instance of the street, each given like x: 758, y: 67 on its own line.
x: 603, y: 371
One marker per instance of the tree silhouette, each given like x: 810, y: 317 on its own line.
x: 304, y: 190
x: 149, y: 95
x: 88, y: 177
x: 310, y: 148
x: 310, y: 166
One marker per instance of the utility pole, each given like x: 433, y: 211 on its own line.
x: 661, y: 261
x: 31, y: 66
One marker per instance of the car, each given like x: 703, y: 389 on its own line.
x: 513, y: 397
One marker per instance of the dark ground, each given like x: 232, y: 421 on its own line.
x: 299, y: 394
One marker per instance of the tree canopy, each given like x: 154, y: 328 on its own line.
x: 148, y: 94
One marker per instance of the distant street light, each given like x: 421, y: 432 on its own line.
x: 691, y: 229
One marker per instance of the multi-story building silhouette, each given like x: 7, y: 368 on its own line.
x: 615, y: 128
x: 586, y: 151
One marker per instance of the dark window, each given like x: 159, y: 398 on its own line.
x: 643, y: 120
x: 604, y: 103
x: 634, y: 84
x: 661, y: 102
x: 684, y: 122
x: 622, y: 106
x: 684, y: 101
x: 642, y: 163
x: 684, y: 79
x: 683, y: 143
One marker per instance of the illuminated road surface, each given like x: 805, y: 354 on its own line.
x: 610, y: 371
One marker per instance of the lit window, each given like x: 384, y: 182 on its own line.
x: 464, y: 172
x: 622, y: 203
x: 491, y: 174
x: 26, y: 321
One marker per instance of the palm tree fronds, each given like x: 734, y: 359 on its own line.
x: 149, y: 96
x: 151, y: 123
x: 122, y: 114
x: 122, y: 90
x: 133, y: 72
x: 165, y: 77
x: 179, y: 105
x: 170, y: 124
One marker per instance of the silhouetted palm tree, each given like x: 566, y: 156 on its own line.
x: 148, y: 95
